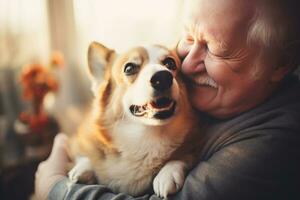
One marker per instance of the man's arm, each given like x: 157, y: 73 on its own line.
x: 257, y: 167
x: 62, y: 190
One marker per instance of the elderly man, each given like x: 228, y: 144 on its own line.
x: 238, y: 58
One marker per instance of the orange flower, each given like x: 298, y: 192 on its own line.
x: 37, y: 81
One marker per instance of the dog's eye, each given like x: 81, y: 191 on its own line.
x: 131, y: 68
x: 169, y: 63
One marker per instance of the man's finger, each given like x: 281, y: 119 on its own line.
x: 59, y: 149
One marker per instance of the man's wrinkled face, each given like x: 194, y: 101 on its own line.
x: 225, y: 76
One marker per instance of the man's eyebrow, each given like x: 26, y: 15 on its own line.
x: 190, y: 27
x: 220, y: 43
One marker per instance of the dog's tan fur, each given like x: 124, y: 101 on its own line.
x: 121, y: 160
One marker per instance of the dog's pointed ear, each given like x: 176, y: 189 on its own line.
x: 99, y: 58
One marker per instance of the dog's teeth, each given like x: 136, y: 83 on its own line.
x: 149, y: 110
x: 136, y: 109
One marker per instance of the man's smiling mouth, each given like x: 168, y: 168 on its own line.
x: 202, y: 80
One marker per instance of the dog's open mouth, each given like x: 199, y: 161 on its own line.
x: 161, y: 108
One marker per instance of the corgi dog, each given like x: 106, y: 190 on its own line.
x: 135, y: 138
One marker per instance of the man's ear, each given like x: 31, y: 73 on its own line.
x: 99, y: 59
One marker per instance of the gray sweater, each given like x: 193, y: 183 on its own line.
x: 254, y: 156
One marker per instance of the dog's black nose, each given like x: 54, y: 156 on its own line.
x: 162, y: 80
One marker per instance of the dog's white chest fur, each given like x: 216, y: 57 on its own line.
x: 137, y: 139
x: 142, y: 152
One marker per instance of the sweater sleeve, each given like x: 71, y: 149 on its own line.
x: 259, y: 166
x: 63, y: 190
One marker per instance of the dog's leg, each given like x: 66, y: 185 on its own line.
x: 170, y: 178
x: 82, y: 171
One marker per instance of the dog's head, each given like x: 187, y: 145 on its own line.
x: 141, y: 84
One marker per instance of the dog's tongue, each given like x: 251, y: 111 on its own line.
x: 161, y: 103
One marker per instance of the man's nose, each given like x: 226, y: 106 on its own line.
x: 194, y: 61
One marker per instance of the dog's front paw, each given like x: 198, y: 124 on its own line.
x: 170, y: 178
x: 82, y: 171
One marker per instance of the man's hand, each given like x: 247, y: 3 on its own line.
x: 53, y: 169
